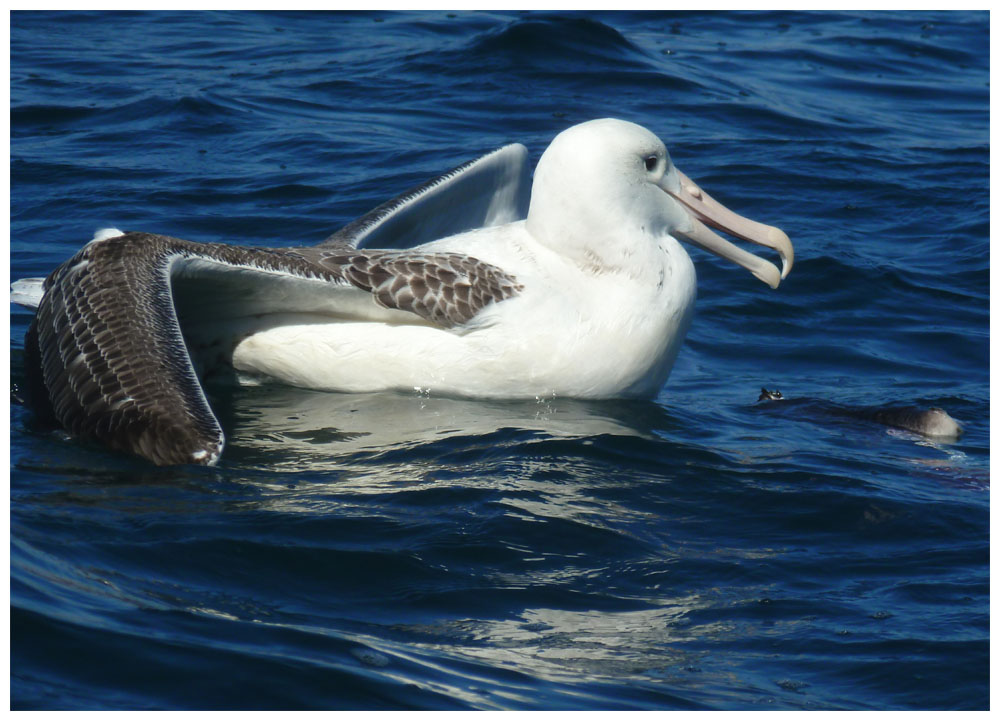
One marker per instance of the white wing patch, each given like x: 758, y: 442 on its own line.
x: 106, y: 234
x: 27, y: 292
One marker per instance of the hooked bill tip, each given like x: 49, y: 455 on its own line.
x: 783, y: 244
x: 768, y: 273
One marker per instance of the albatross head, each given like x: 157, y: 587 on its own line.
x: 603, y: 184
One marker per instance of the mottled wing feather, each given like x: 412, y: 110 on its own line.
x: 447, y: 289
x: 113, y: 360
x: 110, y: 351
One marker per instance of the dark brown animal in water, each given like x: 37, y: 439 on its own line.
x: 930, y: 422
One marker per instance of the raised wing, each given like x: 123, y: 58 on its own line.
x: 110, y: 351
x: 492, y: 190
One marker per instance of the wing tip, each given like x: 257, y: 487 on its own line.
x: 207, y: 457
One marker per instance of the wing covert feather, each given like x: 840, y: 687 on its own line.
x: 447, y: 289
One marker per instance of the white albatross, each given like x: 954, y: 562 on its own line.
x: 583, y: 292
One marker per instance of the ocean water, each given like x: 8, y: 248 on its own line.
x: 392, y: 551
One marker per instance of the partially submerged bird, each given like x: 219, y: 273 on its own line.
x: 460, y: 286
x: 930, y: 422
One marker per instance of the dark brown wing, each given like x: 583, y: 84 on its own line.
x: 112, y: 358
x: 111, y: 354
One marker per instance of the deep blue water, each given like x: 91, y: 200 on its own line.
x: 390, y: 551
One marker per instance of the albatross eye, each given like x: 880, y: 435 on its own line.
x: 651, y: 162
